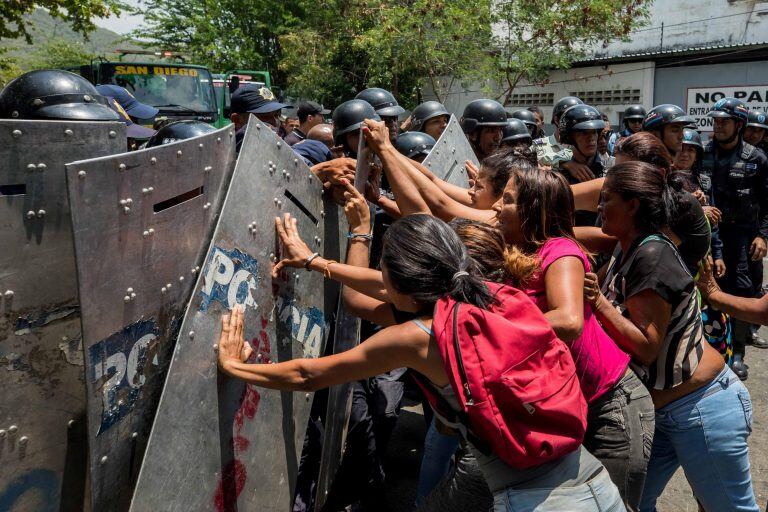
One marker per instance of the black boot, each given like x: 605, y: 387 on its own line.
x: 755, y: 340
x: 739, y: 368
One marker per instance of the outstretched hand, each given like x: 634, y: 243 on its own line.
x: 357, y: 211
x: 295, y: 250
x: 232, y: 346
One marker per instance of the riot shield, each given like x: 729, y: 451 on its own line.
x: 217, y: 443
x: 447, y: 158
x: 141, y: 223
x: 42, y: 395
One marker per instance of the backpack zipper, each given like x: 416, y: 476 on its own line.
x: 462, y: 372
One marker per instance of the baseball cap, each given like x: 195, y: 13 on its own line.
x: 132, y: 130
x: 311, y: 108
x: 312, y: 151
x: 130, y: 104
x: 254, y: 100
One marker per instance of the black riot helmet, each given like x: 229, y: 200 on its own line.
x: 382, y: 101
x: 636, y: 112
x: 414, y: 144
x: 514, y: 131
x: 661, y: 115
x: 426, y: 111
x: 480, y: 113
x: 692, y: 138
x: 54, y: 94
x: 179, y: 130
x: 579, y: 117
x: 562, y: 105
x: 349, y: 116
x: 730, y: 108
x: 527, y: 117
x: 757, y: 119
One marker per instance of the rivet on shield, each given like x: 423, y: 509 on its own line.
x: 178, y: 153
x: 163, y: 289
x: 68, y: 132
x: 87, y: 97
x: 153, y: 160
x: 31, y: 167
x: 134, y: 435
x: 8, y: 294
x: 41, y: 167
x: 129, y: 290
x: 127, y: 299
x: 206, y: 206
x: 231, y: 133
x: 112, y: 134
x: 218, y: 139
x: 16, y: 133
x: 295, y: 161
x: 307, y: 396
x: 121, y: 167
x: 12, y: 429
x: 103, y: 460
x: 200, y: 145
x: 81, y: 174
x: 322, y: 213
x: 287, y: 175
x: 30, y: 214
x: 38, y: 102
x: 216, y: 345
x: 145, y: 234
x: 279, y: 145
x: 126, y: 210
x: 70, y: 423
x: 41, y: 213
x: 123, y: 202
x: 181, y: 279
x: 258, y: 357
x: 168, y: 285
x: 145, y: 191
x: 207, y: 168
x: 191, y: 334
x: 3, y: 433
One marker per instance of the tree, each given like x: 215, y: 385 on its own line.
x: 223, y: 34
x: 536, y: 36
x: 77, y: 13
x: 58, y: 54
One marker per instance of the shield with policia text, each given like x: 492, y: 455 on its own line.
x: 447, y: 159
x: 218, y: 443
x: 141, y: 224
x: 42, y: 395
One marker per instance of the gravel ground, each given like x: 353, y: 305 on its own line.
x: 405, y: 448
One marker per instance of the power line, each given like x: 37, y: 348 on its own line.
x: 659, y: 27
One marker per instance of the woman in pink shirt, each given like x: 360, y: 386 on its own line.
x: 535, y: 215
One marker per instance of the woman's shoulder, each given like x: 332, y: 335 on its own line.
x: 560, y: 247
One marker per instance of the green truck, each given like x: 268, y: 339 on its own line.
x: 224, y: 84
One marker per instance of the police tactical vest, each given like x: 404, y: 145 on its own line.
x: 734, y: 189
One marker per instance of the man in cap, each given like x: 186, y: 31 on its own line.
x: 250, y: 99
x: 737, y: 173
x: 386, y: 106
x: 310, y: 114
x: 121, y: 101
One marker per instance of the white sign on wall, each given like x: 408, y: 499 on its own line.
x: 700, y: 100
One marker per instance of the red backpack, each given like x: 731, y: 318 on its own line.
x: 513, y: 378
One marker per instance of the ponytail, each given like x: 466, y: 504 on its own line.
x: 425, y: 259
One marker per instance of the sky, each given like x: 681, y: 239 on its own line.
x: 120, y: 24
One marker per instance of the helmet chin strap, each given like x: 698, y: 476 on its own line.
x: 736, y: 135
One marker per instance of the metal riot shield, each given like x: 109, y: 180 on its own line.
x: 217, y: 443
x: 141, y: 223
x: 42, y: 395
x: 447, y: 158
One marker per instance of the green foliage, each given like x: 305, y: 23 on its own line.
x: 78, y: 13
x: 536, y: 36
x: 58, y: 54
x: 9, y: 68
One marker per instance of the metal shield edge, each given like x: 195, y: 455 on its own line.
x: 141, y: 222
x: 239, y: 444
x: 43, y: 463
x: 447, y: 159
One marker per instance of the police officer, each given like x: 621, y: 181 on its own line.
x: 549, y: 151
x: 738, y: 175
x: 386, y: 106
x: 309, y: 114
x: 754, y: 132
x: 430, y: 117
x: 54, y: 94
x: 482, y: 122
x: 179, y: 130
x: 415, y: 145
x: 516, y: 134
x: 249, y: 99
x: 529, y: 118
x: 667, y: 123
x: 633, y: 123
x: 347, y: 119
x: 579, y: 127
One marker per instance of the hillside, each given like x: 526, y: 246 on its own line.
x: 44, y: 28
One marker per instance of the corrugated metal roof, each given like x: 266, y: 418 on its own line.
x: 651, y: 54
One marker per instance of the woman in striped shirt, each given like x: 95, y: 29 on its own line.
x: 649, y: 307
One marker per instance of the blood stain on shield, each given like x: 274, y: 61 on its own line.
x: 231, y: 484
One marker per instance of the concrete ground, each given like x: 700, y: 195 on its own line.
x: 405, y: 448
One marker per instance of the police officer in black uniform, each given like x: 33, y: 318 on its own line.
x: 415, y: 145
x: 738, y: 175
x: 529, y: 118
x: 430, y: 117
x: 516, y: 133
x: 179, y: 130
x: 633, y: 123
x: 757, y: 127
x: 347, y: 119
x: 386, y: 106
x: 667, y: 123
x: 482, y: 122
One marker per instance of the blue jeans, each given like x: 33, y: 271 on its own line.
x: 599, y: 494
x: 705, y: 432
x: 436, y: 461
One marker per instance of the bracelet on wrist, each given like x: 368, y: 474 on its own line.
x: 309, y: 260
x: 326, y: 271
x: 362, y: 236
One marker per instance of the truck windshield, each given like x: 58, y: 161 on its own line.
x: 168, y: 87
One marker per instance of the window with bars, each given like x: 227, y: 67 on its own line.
x: 531, y: 99
x: 612, y: 97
